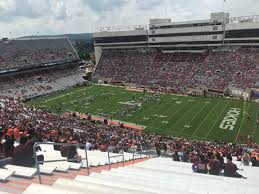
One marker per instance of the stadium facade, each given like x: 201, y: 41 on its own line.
x: 220, y: 30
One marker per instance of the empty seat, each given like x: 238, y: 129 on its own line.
x: 58, y: 166
x: 47, y: 169
x: 21, y: 171
x: 1, y: 192
x: 126, y: 184
x: 72, y: 185
x: 36, y: 189
x: 159, y: 175
x: 5, y: 174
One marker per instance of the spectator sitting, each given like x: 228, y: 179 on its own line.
x: 8, y: 147
x: 88, y: 145
x: 176, y: 156
x: 214, y: 165
x: 72, y: 155
x: 103, y: 147
x: 23, y: 153
x: 185, y: 157
x: 255, y: 160
x: 158, y: 150
x: 200, y: 166
x: 64, y: 149
x: 220, y: 159
x: 246, y: 159
x: 230, y: 169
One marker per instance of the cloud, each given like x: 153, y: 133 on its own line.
x: 26, y: 17
x: 104, y: 5
x: 60, y: 11
x: 145, y: 5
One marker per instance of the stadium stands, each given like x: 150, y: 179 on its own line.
x: 51, y: 171
x: 158, y: 175
x: 211, y: 69
x: 34, y: 67
x: 29, y: 85
x: 37, y: 125
x: 44, y: 126
x: 26, y: 53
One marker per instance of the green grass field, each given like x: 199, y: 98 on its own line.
x: 192, y: 117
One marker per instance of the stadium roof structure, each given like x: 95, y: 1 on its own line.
x: 218, y: 31
x: 41, y: 37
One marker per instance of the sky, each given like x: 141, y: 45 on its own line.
x: 41, y: 17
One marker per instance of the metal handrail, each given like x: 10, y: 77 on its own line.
x: 115, y: 156
x: 58, y: 144
x: 37, y: 164
x: 141, y: 151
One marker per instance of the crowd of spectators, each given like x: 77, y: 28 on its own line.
x: 179, y: 71
x: 30, y: 67
x: 24, y: 53
x: 173, y: 72
x: 27, y: 125
x: 28, y: 84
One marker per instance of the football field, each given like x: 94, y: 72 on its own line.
x: 181, y: 116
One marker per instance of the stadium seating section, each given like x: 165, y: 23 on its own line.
x: 24, y: 53
x: 155, y: 175
x: 40, y: 82
x: 34, y: 67
x: 211, y: 69
x: 13, y: 176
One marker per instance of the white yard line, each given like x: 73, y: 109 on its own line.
x: 194, y: 117
x: 147, y: 110
x: 242, y: 121
x: 182, y: 116
x: 179, y: 109
x: 205, y: 119
x: 177, y: 112
x: 216, y: 121
x: 153, y: 120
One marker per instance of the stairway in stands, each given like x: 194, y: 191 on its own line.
x: 15, y: 179
x: 159, y: 175
x: 156, y: 175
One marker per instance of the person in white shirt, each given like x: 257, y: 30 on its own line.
x: 88, y: 145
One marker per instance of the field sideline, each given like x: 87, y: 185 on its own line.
x: 192, y: 117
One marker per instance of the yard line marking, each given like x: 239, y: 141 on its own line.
x: 216, y: 120
x: 205, y: 119
x: 151, y: 112
x: 180, y: 118
x: 194, y: 117
x: 170, y: 107
x: 143, y: 113
x: 180, y: 108
x: 244, y: 115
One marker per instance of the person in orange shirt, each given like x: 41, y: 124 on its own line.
x: 255, y: 159
x: 14, y: 132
